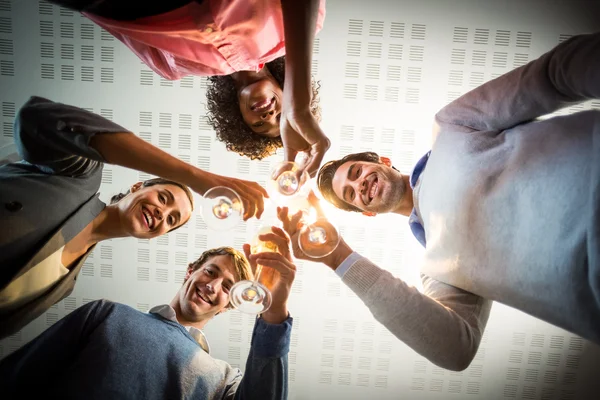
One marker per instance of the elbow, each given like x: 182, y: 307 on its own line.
x: 26, y: 114
x: 453, y: 361
x: 459, y: 363
x: 457, y: 358
x: 20, y: 134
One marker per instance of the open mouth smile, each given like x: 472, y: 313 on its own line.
x: 263, y: 106
x: 148, y: 219
x: 203, y: 297
x: 372, y: 188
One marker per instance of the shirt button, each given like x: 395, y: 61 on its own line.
x: 13, y: 206
x: 208, y: 30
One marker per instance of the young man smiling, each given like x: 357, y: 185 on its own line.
x: 109, y: 350
x: 507, y: 206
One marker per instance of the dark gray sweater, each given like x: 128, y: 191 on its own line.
x: 106, y: 350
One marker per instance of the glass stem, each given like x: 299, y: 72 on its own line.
x: 257, y: 274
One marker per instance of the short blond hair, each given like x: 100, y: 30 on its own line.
x: 242, y: 267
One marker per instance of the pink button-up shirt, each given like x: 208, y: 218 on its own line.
x: 217, y: 37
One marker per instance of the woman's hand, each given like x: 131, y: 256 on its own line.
x: 251, y: 193
x: 300, y: 132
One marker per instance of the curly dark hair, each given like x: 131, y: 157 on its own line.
x: 226, y: 118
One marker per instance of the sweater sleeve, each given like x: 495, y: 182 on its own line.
x: 266, y: 375
x: 569, y: 73
x: 44, y: 360
x: 56, y: 137
x: 444, y: 324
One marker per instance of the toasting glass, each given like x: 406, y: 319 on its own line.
x: 221, y: 208
x: 254, y: 296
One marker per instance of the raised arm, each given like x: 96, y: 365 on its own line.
x: 266, y: 375
x: 567, y: 74
x: 300, y: 131
x: 64, y: 139
x: 444, y: 324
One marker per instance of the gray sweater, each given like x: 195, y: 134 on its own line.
x: 105, y: 350
x: 511, y: 211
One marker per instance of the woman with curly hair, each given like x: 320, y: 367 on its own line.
x: 240, y: 44
x: 246, y: 130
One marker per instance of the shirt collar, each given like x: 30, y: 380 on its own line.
x: 167, y: 312
x: 418, y: 169
x: 414, y: 220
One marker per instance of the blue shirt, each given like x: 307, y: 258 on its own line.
x: 414, y: 221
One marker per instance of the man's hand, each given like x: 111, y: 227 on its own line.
x: 251, y: 193
x: 282, y: 272
x: 300, y: 132
x: 293, y: 225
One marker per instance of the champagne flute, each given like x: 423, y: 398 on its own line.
x: 221, y: 208
x: 254, y: 296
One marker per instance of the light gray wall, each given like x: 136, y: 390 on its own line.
x: 385, y: 68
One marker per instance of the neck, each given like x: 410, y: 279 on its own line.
x: 106, y: 225
x: 406, y: 204
x: 242, y: 79
x: 180, y: 318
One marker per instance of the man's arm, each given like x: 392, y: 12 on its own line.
x: 44, y: 360
x: 444, y: 324
x: 567, y: 74
x: 266, y: 375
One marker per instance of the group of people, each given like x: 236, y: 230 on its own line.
x: 506, y: 205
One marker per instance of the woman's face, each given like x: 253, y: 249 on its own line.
x: 260, y: 105
x: 148, y: 212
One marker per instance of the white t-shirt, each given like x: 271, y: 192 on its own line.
x: 34, y: 282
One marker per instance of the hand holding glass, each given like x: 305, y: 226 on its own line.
x: 254, y: 297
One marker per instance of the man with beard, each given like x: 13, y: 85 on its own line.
x: 507, y: 207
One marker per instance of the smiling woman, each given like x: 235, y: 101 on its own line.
x: 53, y: 218
x: 240, y: 45
x: 245, y: 108
x: 171, y: 195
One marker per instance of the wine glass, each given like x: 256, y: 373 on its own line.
x: 319, y: 239
x: 254, y: 297
x: 221, y: 208
x: 287, y: 180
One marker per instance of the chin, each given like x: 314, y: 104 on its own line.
x: 270, y: 135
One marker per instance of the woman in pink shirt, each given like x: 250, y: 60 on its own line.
x: 241, y: 45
